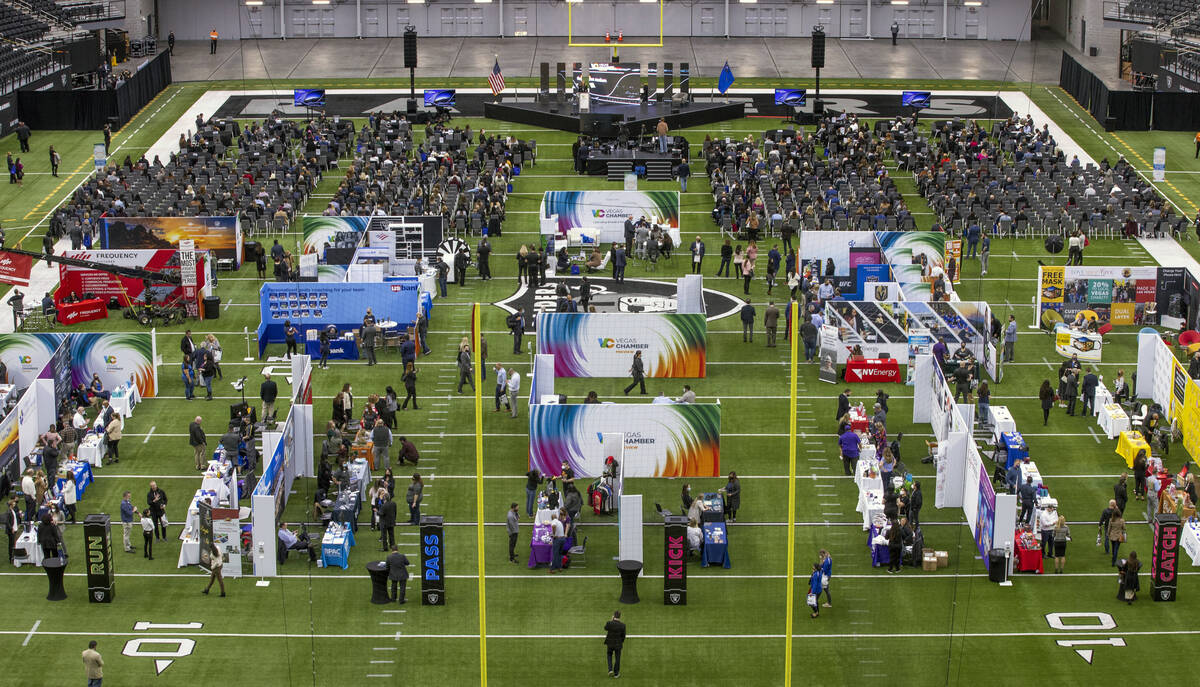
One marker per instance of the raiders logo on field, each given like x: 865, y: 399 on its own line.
x: 634, y: 295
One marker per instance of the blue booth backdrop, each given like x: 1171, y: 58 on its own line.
x: 316, y: 305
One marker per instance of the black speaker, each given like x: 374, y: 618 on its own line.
x: 685, y: 84
x: 544, y: 86
x: 410, y: 49
x: 561, y: 68
x: 818, y: 48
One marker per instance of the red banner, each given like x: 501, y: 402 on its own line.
x: 873, y: 371
x: 15, y: 268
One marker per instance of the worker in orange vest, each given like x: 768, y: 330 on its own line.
x: 1198, y: 144
x: 212, y: 37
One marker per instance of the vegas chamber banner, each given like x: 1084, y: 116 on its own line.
x: 338, y: 232
x: 912, y: 255
x: 26, y: 354
x: 117, y: 357
x: 604, y: 344
x: 606, y: 211
x: 661, y: 440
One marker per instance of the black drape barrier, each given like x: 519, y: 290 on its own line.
x: 93, y: 109
x: 1130, y: 109
x: 1177, y: 111
x: 1084, y: 87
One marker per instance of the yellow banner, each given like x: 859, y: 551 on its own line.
x: 1052, y: 284
x: 1189, y: 420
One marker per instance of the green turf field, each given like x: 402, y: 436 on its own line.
x: 314, y: 626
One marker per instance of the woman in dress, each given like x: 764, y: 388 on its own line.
x: 1046, y: 395
x: 733, y: 496
x: 214, y: 347
x: 1128, y: 573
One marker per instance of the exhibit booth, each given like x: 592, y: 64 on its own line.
x: 599, y: 216
x: 334, y: 239
x: 604, y: 344
x: 221, y: 236
x: 94, y: 288
x: 880, y: 265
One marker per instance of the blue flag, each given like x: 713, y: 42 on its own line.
x: 725, y: 80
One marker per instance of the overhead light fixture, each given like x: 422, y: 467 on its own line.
x: 574, y: 2
x: 824, y: 2
x: 415, y: 2
x: 973, y: 3
x: 320, y: 2
x: 482, y: 2
x: 648, y: 2
x: 254, y: 3
x: 748, y: 2
x: 899, y: 2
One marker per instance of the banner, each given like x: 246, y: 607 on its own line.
x: 828, y: 350
x: 952, y: 259
x: 1120, y: 296
x: 14, y: 268
x: 106, y: 285
x: 675, y: 561
x: 1164, y: 566
x: 187, y: 276
x: 667, y: 440
x: 333, y: 239
x: 117, y: 357
x: 58, y: 369
x: 912, y: 254
x: 985, y: 515
x: 1069, y: 341
x: 97, y: 543
x: 865, y: 279
x: 323, y: 232
x: 433, y: 561
x: 606, y: 211
x: 847, y: 249
x: 603, y: 344
x: 25, y: 355
x: 1160, y: 164
x: 220, y: 235
x: 309, y: 305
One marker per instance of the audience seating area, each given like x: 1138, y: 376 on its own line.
x: 20, y: 67
x: 18, y: 26
x: 1183, y: 13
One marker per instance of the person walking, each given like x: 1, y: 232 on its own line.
x: 895, y: 32
x: 501, y: 387
x: 1105, y: 519
x: 1071, y: 391
x: 55, y: 160
x: 268, y: 391
x: 747, y: 314
x: 516, y: 325
x: 637, y: 371
x: 212, y: 39
x: 618, y: 264
x: 387, y: 522
x: 771, y: 323
x: 1046, y: 396
x: 370, y: 335
x: 1116, y: 533
x: 826, y: 563
x: 1128, y: 575
x: 514, y: 388
x: 465, y: 371
x: 815, y: 590
x: 726, y: 259
x: 808, y: 333
x: 107, y: 138
x: 216, y: 563
x: 985, y: 252
x: 199, y: 442
x: 1121, y: 492
x: 147, y: 535
x: 848, y: 445
x: 1010, y: 338
x: 1090, y: 383
x: 614, y: 642
x: 381, y: 444
x: 94, y: 665
x: 23, y: 135
x: 171, y: 43
x: 413, y: 498
x: 747, y: 274
x: 733, y: 496
x: 127, y: 514
x: 156, y: 499
x: 397, y: 564
x: 410, y: 386
x: 1061, y: 535
x: 512, y: 525
x: 697, y: 250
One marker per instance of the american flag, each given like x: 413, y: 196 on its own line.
x: 496, y: 79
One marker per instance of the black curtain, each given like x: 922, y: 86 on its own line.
x: 1087, y: 89
x: 1177, y: 111
x: 1130, y: 109
x: 89, y: 109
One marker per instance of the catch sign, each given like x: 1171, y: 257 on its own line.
x: 433, y: 556
x: 1165, y: 564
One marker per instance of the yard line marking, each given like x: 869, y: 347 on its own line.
x: 383, y: 661
x: 36, y: 625
x: 1093, y: 433
x: 384, y: 648
x: 150, y: 433
x: 1044, y: 361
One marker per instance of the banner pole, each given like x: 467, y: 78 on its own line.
x: 476, y: 333
x: 791, y: 513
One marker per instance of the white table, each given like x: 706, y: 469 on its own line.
x: 192, y: 524
x: 92, y: 449
x: 870, y: 504
x: 28, y: 542
x: 1001, y: 421
x: 359, y: 470
x: 863, y: 478
x: 124, y: 398
x: 189, y: 549
x: 1030, y: 470
x: 1113, y: 419
x: 1191, y: 541
x: 543, y: 516
x: 1103, y: 398
x: 219, y: 478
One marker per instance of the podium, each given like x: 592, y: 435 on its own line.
x: 55, y: 567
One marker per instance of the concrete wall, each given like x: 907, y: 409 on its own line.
x: 1070, y: 18
x: 995, y: 20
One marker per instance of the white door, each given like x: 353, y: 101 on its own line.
x: 298, y: 23
x: 707, y: 20
x: 856, y: 25
x: 371, y: 21
x: 255, y: 19
x: 751, y: 21
x: 475, y: 28
x: 831, y: 21
x: 931, y: 23
x: 403, y: 19
x: 781, y: 21
x: 520, y: 21
x: 971, y: 23
x: 462, y: 21
x: 327, y: 28
x: 447, y: 21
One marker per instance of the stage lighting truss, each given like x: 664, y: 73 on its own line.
x: 613, y: 43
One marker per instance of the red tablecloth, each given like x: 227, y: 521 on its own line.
x: 1028, y: 560
x: 74, y: 313
x: 873, y: 370
x: 858, y: 421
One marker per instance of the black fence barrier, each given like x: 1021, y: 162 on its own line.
x: 92, y: 109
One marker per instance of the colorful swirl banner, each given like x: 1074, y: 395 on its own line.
x: 606, y: 211
x: 900, y: 247
x: 604, y: 344
x: 117, y: 357
x: 26, y: 354
x: 661, y: 440
x: 318, y: 230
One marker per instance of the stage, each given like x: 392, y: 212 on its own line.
x: 603, y: 118
x: 626, y: 159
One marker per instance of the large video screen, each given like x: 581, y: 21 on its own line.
x: 308, y: 97
x: 792, y: 97
x: 918, y: 99
x: 618, y: 82
x: 439, y: 97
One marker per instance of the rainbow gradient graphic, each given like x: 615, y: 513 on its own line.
x: 602, y: 209
x: 115, y: 357
x: 603, y: 344
x: 660, y: 440
x: 318, y: 230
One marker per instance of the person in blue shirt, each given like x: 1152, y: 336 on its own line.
x: 127, y: 515
x: 189, y: 379
x: 826, y: 575
x: 848, y: 442
x: 814, y: 589
x: 973, y: 233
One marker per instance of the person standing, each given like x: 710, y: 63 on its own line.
x: 12, y: 527
x: 826, y: 563
x: 558, y: 537
x: 512, y: 525
x: 1090, y: 382
x: 1010, y: 338
x: 618, y: 262
x: 1071, y: 391
x: 387, y: 523
x: 516, y: 325
x: 55, y: 160
x: 514, y: 388
x: 747, y: 314
x: 637, y: 371
x: 465, y: 372
x: 23, y: 135
x: 662, y: 129
x: 814, y: 589
x: 848, y: 445
x: 189, y: 379
x: 683, y: 171
x: 410, y: 386
x: 413, y: 497
x: 147, y: 534
x: 370, y: 334
x: 614, y: 642
x: 1061, y: 534
x: 127, y: 513
x: 216, y: 563
x: 733, y: 496
x: 199, y: 442
x: 726, y: 258
x: 461, y: 262
x: 94, y: 664
x: 107, y: 138
x: 17, y: 301
x: 843, y: 405
x: 1028, y: 495
x: 1129, y: 579
x: 1116, y: 533
x: 113, y: 432
x: 973, y: 233
x: 808, y: 333
x: 1105, y: 519
x: 501, y: 387
x: 915, y: 501
x: 771, y: 323
x: 171, y: 43
x: 397, y: 564
x: 484, y: 252
x: 268, y: 391
x: 289, y: 338
x: 212, y: 38
x: 895, y: 32
x: 1046, y: 395
x: 697, y: 249
x: 381, y: 442
x: 985, y: 253
x: 156, y: 499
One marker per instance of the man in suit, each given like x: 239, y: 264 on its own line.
x: 1071, y: 391
x: 771, y: 322
x: 1028, y: 494
x: 618, y: 263
x: 915, y: 501
x: 516, y: 324
x: 747, y: 315
x: 697, y: 249
x: 199, y: 441
x: 630, y: 230
x: 613, y: 643
x: 268, y: 391
x: 638, y: 372
x: 156, y: 500
x: 1121, y: 492
x: 512, y: 525
x: 843, y: 405
x: 397, y: 564
x: 1090, y: 382
x: 585, y: 293
x: 387, y: 528
x: 484, y: 251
